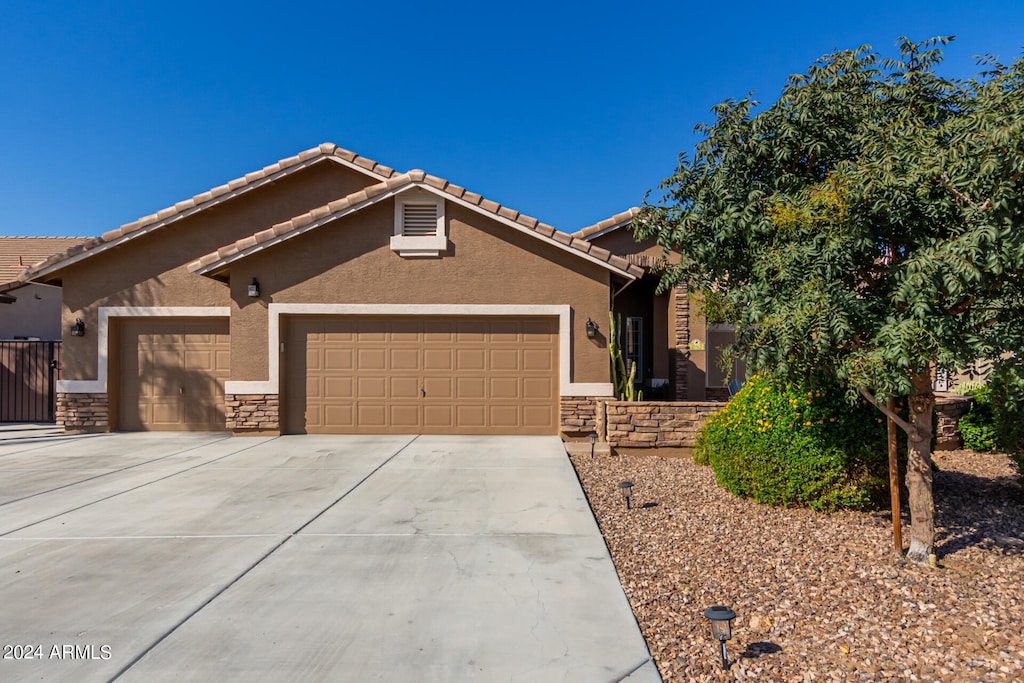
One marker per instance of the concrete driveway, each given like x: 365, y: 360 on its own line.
x: 202, y: 557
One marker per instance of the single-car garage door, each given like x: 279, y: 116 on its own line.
x: 421, y: 375
x: 171, y: 374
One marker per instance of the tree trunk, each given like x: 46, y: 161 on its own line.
x: 919, y: 471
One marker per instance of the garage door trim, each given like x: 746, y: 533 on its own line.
x: 105, y: 313
x: 562, y: 312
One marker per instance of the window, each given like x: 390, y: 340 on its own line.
x: 419, y: 225
x: 635, y: 345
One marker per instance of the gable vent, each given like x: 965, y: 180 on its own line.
x: 419, y: 220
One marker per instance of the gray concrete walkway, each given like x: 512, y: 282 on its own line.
x: 202, y: 557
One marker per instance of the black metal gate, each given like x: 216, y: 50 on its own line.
x: 29, y: 371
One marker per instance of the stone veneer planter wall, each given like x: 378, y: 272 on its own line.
x: 654, y: 424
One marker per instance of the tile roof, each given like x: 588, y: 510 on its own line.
x: 214, y: 196
x: 617, y: 221
x: 211, y: 263
x: 18, y: 253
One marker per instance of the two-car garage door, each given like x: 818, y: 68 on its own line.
x: 429, y: 375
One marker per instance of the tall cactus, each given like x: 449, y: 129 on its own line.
x: 625, y: 389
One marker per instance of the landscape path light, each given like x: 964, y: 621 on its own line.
x: 721, y: 618
x: 627, y: 492
x: 593, y: 442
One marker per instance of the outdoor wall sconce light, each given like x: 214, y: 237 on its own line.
x: 78, y: 329
x: 627, y: 492
x: 593, y: 442
x: 591, y: 329
x: 721, y: 627
x: 254, y: 288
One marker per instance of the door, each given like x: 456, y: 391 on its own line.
x: 421, y: 375
x: 171, y: 374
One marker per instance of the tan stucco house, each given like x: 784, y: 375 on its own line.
x: 327, y: 293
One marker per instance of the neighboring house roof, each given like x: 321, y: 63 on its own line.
x: 617, y: 221
x: 147, y: 224
x: 19, y: 253
x: 216, y: 262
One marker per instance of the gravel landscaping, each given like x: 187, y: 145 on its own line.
x: 818, y: 597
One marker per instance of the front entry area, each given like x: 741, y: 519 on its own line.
x: 172, y: 372
x: 420, y: 375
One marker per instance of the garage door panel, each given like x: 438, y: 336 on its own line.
x: 404, y: 359
x: 504, y: 360
x: 537, y: 388
x: 437, y: 360
x: 438, y: 331
x: 404, y: 416
x: 470, y: 359
x: 438, y: 388
x: 371, y: 359
x: 439, y: 417
x: 471, y: 387
x: 165, y: 413
x: 343, y: 415
x: 505, y: 331
x: 470, y: 416
x: 537, y: 417
x: 315, y: 386
x: 372, y: 415
x: 538, y: 360
x: 338, y: 388
x: 504, y: 387
x: 404, y: 387
x: 503, y: 415
x: 371, y: 387
x: 338, y: 359
x: 423, y: 374
x: 471, y: 331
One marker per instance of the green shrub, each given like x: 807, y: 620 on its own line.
x: 781, y: 443
x: 1007, y: 385
x: 978, y: 427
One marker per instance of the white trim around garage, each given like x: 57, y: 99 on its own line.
x: 105, y: 313
x: 564, y: 314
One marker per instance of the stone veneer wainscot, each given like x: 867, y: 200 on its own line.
x: 90, y: 412
x: 252, y: 413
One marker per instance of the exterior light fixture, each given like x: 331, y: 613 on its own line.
x: 593, y: 442
x: 78, y: 329
x: 721, y: 627
x: 254, y: 288
x: 591, y: 329
x: 627, y: 492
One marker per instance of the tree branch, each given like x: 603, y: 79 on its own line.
x: 910, y: 429
x: 944, y: 181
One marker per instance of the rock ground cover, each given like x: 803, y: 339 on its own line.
x: 818, y: 597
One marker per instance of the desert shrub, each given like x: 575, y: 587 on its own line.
x: 785, y: 443
x: 978, y: 427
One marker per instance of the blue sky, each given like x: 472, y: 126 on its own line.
x: 113, y: 110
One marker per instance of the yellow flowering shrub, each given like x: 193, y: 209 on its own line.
x: 784, y: 444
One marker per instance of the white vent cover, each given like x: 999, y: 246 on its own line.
x: 419, y: 220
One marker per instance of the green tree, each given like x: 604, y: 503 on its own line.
x: 867, y: 223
